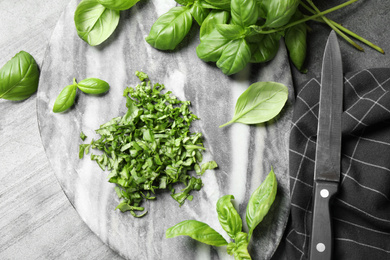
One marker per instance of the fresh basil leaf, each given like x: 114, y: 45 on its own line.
x: 94, y: 22
x: 295, y: 39
x: 220, y: 4
x: 65, y: 99
x: 212, y: 46
x: 185, y: 2
x: 228, y: 216
x: 231, y: 31
x: 278, y: 12
x: 207, y: 166
x: 170, y: 28
x: 199, y: 12
x: 213, y: 18
x: 265, y: 49
x: 197, y: 230
x: 244, y: 12
x: 235, y: 56
x: 93, y: 86
x: 261, y: 201
x: 19, y: 77
x: 261, y: 102
x: 118, y: 4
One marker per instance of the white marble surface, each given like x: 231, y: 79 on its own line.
x: 244, y: 153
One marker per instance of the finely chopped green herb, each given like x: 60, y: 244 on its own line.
x: 150, y: 148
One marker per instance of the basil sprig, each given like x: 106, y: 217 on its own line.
x: 258, y: 206
x: 19, y: 77
x: 67, y: 95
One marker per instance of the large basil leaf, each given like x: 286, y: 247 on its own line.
x: 199, y: 13
x: 221, y: 4
x: 212, y: 46
x: 65, y: 99
x: 94, y: 22
x: 260, y: 202
x: 228, y: 217
x: 295, y: 39
x: 265, y: 49
x: 231, y: 31
x: 170, y: 28
x: 197, y: 230
x: 118, y: 4
x: 244, y: 12
x: 19, y: 77
x: 235, y: 56
x: 213, y: 18
x: 261, y: 102
x: 278, y: 12
x: 185, y: 2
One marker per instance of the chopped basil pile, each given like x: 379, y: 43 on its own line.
x: 150, y: 148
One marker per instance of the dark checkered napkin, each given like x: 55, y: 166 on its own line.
x: 361, y: 209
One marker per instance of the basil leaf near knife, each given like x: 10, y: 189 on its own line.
x: 19, y: 77
x: 258, y: 206
x: 261, y: 102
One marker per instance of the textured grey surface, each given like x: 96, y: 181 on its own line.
x: 245, y: 154
x: 36, y: 219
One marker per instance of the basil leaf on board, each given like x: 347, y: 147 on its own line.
x: 199, y: 12
x: 213, y: 18
x: 170, y: 28
x: 231, y: 31
x: 261, y: 102
x: 260, y: 202
x: 279, y: 12
x: 65, y: 99
x: 295, y: 39
x: 93, y: 86
x: 244, y: 12
x: 266, y: 49
x: 212, y: 46
x: 118, y: 4
x: 197, y: 230
x: 235, y: 56
x: 19, y: 77
x: 228, y: 217
x: 94, y: 22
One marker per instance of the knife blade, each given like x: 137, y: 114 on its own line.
x: 328, y: 150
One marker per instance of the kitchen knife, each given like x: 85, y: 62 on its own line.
x: 328, y: 150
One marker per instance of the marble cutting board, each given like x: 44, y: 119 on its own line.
x: 244, y: 153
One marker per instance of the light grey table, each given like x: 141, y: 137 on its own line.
x: 36, y: 219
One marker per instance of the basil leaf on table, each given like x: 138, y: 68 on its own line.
x: 239, y: 249
x: 261, y: 201
x: 213, y: 18
x: 65, y: 99
x: 94, y: 22
x: 228, y: 216
x: 261, y: 102
x: 244, y: 12
x: 278, y: 12
x: 197, y: 230
x: 170, y: 28
x: 198, y: 12
x: 212, y: 46
x: 118, y: 4
x: 19, y: 77
x: 235, y: 57
x: 93, y: 86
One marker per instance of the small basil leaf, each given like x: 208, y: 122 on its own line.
x: 198, y: 12
x: 65, y: 99
x: 208, y: 166
x: 295, y: 39
x: 19, y: 77
x: 265, y: 49
x: 235, y: 57
x: 213, y: 18
x: 118, y: 4
x: 212, y: 46
x: 244, y: 12
x: 93, y: 86
x: 279, y: 12
x: 228, y: 217
x: 231, y: 31
x: 197, y: 230
x: 170, y: 28
x: 261, y: 102
x: 220, y: 4
x: 94, y: 22
x: 260, y: 201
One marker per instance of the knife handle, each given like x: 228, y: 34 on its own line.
x: 321, y: 245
